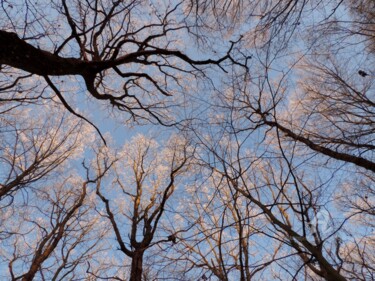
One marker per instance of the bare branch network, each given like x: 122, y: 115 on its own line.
x: 187, y: 140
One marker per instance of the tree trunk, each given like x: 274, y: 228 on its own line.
x: 137, y: 266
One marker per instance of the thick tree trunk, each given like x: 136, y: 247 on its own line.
x: 137, y: 266
x: 17, y: 53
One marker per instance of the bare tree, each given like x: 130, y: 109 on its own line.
x: 315, y: 129
x: 47, y: 221
x: 218, y: 230
x: 34, y: 144
x: 144, y: 179
x: 132, y: 55
x: 52, y: 236
x: 281, y: 185
x: 276, y: 193
x: 343, y: 108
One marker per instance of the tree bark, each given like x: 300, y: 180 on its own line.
x: 359, y: 161
x: 137, y: 266
x: 17, y: 53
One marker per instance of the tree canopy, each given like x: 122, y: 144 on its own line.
x: 246, y: 149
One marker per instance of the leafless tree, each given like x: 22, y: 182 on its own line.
x: 132, y: 55
x: 277, y: 194
x: 34, y: 145
x: 281, y: 185
x: 218, y: 233
x: 144, y: 179
x: 52, y: 235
